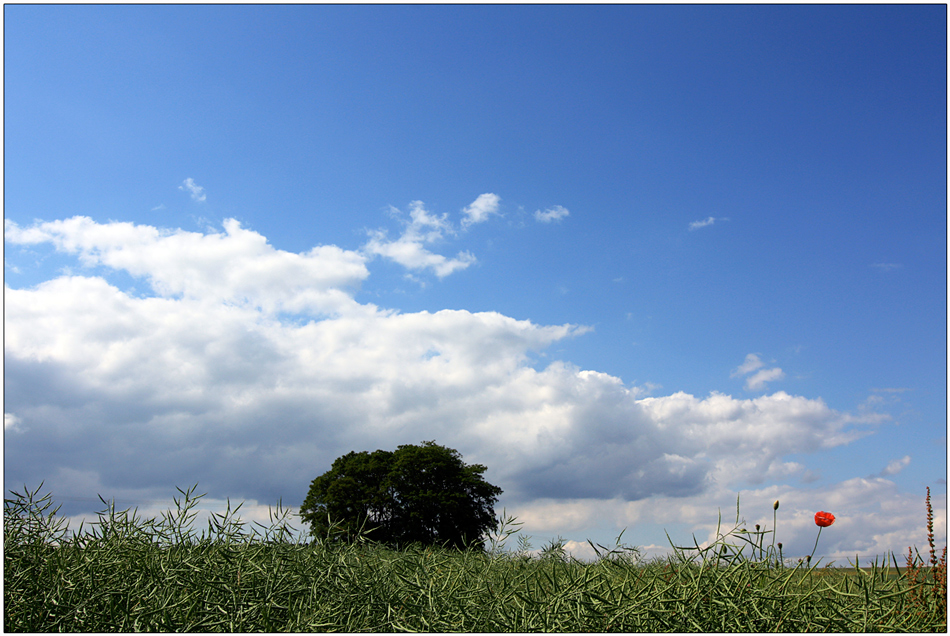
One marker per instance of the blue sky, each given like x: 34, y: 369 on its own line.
x: 688, y: 251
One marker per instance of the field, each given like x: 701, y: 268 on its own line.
x: 125, y: 573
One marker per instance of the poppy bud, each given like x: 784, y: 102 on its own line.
x: 756, y: 527
x: 779, y: 545
x: 775, y: 505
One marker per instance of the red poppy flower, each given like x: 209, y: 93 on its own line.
x: 824, y: 519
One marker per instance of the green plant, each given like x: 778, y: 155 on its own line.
x: 125, y: 573
x: 927, y: 595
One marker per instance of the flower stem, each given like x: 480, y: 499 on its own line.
x: 774, y: 518
x: 816, y: 544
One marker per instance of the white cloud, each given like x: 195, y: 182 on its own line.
x: 695, y: 225
x: 409, y: 249
x: 238, y: 266
x: 197, y: 192
x: 896, y: 466
x: 206, y: 382
x: 480, y: 209
x: 758, y: 380
x: 872, y: 519
x: 555, y: 213
x: 751, y: 363
x: 11, y: 422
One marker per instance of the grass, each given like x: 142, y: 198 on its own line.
x: 125, y: 573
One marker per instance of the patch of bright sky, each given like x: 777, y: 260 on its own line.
x: 739, y: 179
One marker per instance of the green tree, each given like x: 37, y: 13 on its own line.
x: 415, y: 494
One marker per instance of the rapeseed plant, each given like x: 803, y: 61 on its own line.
x: 125, y: 573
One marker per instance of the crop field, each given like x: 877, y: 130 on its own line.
x: 125, y: 573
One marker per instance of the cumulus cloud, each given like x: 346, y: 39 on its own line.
x: 409, y: 249
x: 11, y: 422
x: 196, y: 191
x: 895, y: 466
x: 757, y: 381
x: 551, y: 214
x: 480, y: 209
x: 751, y: 363
x: 206, y: 381
x: 238, y: 266
x: 872, y: 518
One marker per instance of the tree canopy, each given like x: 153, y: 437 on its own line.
x: 415, y: 494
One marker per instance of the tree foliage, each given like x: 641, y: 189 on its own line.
x: 415, y: 494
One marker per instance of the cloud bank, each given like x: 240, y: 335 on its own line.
x: 205, y: 380
x: 234, y: 267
